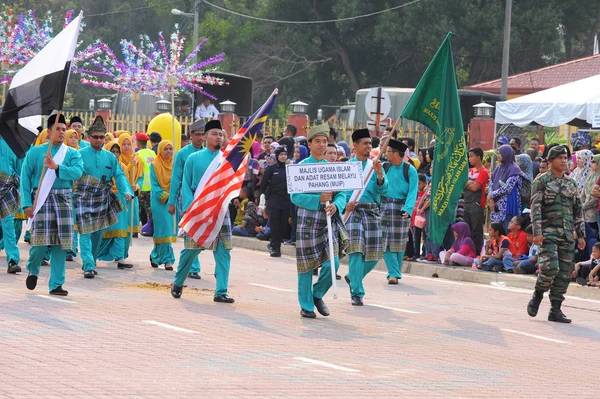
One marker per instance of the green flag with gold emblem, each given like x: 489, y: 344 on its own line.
x: 435, y: 104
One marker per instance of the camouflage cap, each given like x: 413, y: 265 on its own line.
x: 320, y: 130
x: 556, y: 151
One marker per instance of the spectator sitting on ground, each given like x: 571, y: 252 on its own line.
x: 331, y: 153
x: 496, y: 249
x: 519, y: 245
x: 240, y: 205
x: 527, y: 264
x: 587, y: 272
x: 462, y: 252
x: 249, y: 222
x: 263, y: 233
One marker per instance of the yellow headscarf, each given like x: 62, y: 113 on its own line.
x: 70, y: 133
x: 162, y: 166
x: 132, y: 172
x: 108, y: 146
x: 109, y: 135
x: 41, y: 138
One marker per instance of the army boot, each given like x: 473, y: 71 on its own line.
x: 556, y: 314
x: 534, y: 304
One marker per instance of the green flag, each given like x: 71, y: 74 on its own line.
x: 435, y: 104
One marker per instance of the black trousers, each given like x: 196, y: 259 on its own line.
x: 278, y: 221
x: 475, y: 218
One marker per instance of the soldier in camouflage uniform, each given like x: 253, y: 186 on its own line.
x: 556, y: 214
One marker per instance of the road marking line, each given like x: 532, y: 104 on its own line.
x: 535, y: 336
x: 391, y: 308
x: 55, y: 299
x: 325, y: 364
x: 270, y: 287
x: 159, y: 324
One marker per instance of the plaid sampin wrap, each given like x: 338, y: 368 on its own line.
x: 224, y: 236
x: 364, y: 231
x: 10, y: 197
x: 96, y: 206
x: 395, y: 228
x: 53, y: 224
x: 312, y: 245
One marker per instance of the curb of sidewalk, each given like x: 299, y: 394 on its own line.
x: 462, y: 274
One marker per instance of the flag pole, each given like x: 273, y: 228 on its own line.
x: 37, y: 193
x: 383, y: 149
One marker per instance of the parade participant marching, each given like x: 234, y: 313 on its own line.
x: 174, y: 204
x: 72, y: 140
x: 53, y: 223
x: 311, y: 233
x: 364, y: 222
x: 195, y: 167
x: 134, y: 171
x: 96, y: 206
x: 556, y: 215
x: 397, y: 208
x: 164, y: 233
x: 10, y: 203
x: 76, y: 124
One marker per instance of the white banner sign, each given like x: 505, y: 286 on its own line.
x: 322, y: 177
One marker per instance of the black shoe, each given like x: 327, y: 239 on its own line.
x: 275, y: 254
x: 13, y: 267
x: 69, y: 258
x: 95, y: 272
x: 89, y: 274
x: 580, y: 281
x: 124, y: 265
x: 195, y: 276
x: 556, y: 314
x: 316, y: 272
x: 357, y: 301
x: 534, y: 304
x: 338, y: 277
x: 168, y: 267
x: 45, y: 262
x: 31, y: 281
x: 27, y: 240
x: 154, y: 265
x: 59, y: 291
x: 176, y: 291
x: 321, y: 307
x: 223, y: 299
x: 135, y: 235
x: 308, y: 314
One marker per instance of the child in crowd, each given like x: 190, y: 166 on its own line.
x: 495, y: 250
x: 543, y: 165
x: 587, y: 272
x: 240, y: 205
x: 249, y: 222
x: 417, y: 231
x: 527, y: 264
x: 462, y: 252
x: 519, y: 246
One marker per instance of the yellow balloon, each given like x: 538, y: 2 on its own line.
x: 162, y: 124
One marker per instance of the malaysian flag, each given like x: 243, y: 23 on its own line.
x: 204, y: 218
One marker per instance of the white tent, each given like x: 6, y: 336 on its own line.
x: 576, y: 103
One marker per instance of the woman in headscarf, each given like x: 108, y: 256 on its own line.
x: 300, y: 153
x: 41, y: 138
x: 134, y: 171
x: 164, y: 228
x: 584, y: 167
x: 73, y: 139
x: 278, y: 200
x: 462, y: 252
x: 346, y: 148
x: 112, y: 246
x: 289, y: 142
x: 526, y: 166
x: 589, y: 202
x: 424, y: 168
x: 504, y: 198
x: 108, y: 137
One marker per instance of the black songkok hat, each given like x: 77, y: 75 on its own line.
x: 52, y: 120
x: 75, y: 119
x: 214, y: 124
x: 98, y: 126
x: 360, y: 134
x: 398, y: 146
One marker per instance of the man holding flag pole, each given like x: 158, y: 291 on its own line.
x: 49, y: 170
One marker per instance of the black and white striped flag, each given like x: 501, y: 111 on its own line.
x: 38, y: 89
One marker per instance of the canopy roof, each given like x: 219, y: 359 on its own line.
x: 576, y: 103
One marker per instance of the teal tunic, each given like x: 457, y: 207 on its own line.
x: 11, y: 231
x: 84, y: 144
x: 164, y: 233
x: 103, y: 165
x: 373, y: 192
x: 195, y: 167
x: 311, y: 201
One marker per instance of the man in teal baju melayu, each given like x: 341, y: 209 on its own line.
x: 97, y: 207
x: 195, y: 167
x: 53, y: 223
x: 364, y: 221
x: 312, y: 247
x: 197, y: 138
x: 397, y: 208
x: 10, y: 203
x: 76, y: 123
